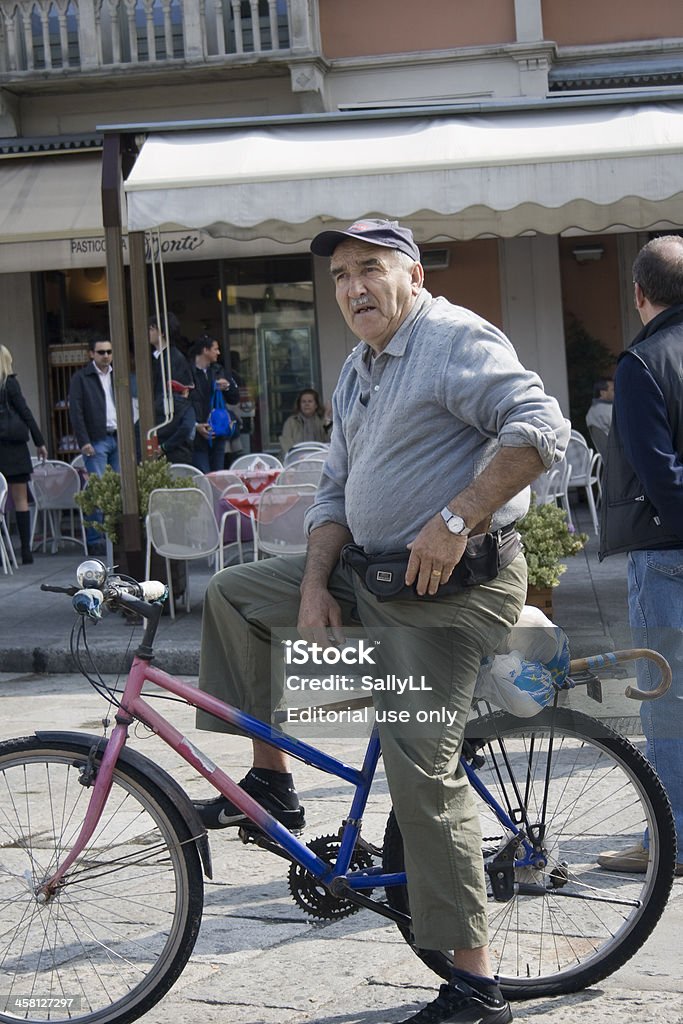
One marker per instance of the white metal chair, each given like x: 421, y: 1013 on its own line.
x: 234, y: 525
x: 303, y: 450
x: 279, y: 528
x: 599, y: 439
x: 7, y: 555
x: 181, y: 526
x: 180, y: 470
x: 553, y: 487
x: 78, y: 464
x: 304, y: 471
x: 54, y: 485
x: 239, y: 532
x: 200, y: 481
x: 222, y: 478
x: 583, y: 461
x: 255, y: 461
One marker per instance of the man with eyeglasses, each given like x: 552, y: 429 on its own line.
x: 93, y: 418
x: 93, y: 410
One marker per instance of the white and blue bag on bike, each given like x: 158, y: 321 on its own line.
x: 524, y: 676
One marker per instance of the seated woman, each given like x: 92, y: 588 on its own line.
x: 310, y: 421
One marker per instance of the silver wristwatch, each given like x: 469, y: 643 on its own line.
x: 454, y: 522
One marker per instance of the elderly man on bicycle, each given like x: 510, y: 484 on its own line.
x: 438, y: 430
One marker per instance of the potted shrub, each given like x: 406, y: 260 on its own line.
x: 103, y: 494
x: 547, y: 540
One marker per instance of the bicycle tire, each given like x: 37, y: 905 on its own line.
x: 562, y: 942
x: 120, y: 929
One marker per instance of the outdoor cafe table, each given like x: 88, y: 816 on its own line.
x: 256, y: 480
x: 250, y: 504
x: 244, y: 503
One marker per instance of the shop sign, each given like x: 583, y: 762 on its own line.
x: 168, y: 245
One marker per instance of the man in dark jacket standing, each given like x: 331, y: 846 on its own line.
x: 209, y: 375
x: 643, y: 510
x: 93, y: 410
x: 176, y: 434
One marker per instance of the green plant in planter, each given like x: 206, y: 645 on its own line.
x: 103, y: 494
x: 547, y: 540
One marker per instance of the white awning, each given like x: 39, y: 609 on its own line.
x: 503, y: 174
x: 45, y: 197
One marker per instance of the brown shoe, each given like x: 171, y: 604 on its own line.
x: 632, y: 860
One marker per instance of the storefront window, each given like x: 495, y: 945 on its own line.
x: 76, y: 309
x: 260, y: 310
x: 269, y: 319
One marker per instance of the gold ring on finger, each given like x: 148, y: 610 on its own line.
x: 436, y: 572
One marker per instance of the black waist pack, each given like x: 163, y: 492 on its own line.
x: 384, y: 574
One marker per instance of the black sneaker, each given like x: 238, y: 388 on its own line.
x: 460, y: 1002
x: 279, y: 798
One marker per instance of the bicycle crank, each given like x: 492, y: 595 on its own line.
x: 311, y: 895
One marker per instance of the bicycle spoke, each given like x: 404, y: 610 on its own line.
x: 118, y: 925
x: 574, y: 789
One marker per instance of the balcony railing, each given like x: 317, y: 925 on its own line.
x: 38, y: 36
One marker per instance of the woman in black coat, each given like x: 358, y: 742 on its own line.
x: 15, y: 459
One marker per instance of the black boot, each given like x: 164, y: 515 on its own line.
x: 24, y: 528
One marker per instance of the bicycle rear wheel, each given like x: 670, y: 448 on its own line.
x: 581, y: 789
x: 119, y: 930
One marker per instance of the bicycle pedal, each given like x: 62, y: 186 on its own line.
x: 250, y: 833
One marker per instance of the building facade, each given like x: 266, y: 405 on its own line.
x: 543, y: 262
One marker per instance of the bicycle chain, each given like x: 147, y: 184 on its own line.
x: 311, y: 895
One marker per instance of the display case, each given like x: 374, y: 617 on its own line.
x: 63, y: 361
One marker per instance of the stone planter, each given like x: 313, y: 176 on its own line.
x: 541, y: 597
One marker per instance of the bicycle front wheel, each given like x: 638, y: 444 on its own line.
x: 575, y: 788
x: 120, y: 928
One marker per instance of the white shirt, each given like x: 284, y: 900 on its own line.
x: 107, y: 387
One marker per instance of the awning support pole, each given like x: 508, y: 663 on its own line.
x: 140, y: 314
x: 131, y: 533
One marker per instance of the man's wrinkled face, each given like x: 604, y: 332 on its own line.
x: 376, y: 288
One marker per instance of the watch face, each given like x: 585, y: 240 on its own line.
x: 455, y: 523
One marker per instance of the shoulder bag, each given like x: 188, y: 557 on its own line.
x: 222, y: 422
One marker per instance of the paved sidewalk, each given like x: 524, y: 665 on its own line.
x: 35, y: 626
x: 259, y: 960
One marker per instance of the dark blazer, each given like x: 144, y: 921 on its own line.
x: 87, y: 406
x: 15, y: 458
x: 180, y: 371
x: 203, y: 387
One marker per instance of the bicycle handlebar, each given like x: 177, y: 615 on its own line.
x: 140, y: 596
x: 615, y: 657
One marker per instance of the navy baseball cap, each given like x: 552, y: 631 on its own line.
x: 387, y: 233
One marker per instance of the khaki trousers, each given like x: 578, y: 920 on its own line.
x: 444, y: 640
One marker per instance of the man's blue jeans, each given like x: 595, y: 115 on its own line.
x: 655, y: 598
x: 208, y: 457
x: 106, y: 454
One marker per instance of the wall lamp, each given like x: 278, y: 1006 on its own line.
x: 588, y: 253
